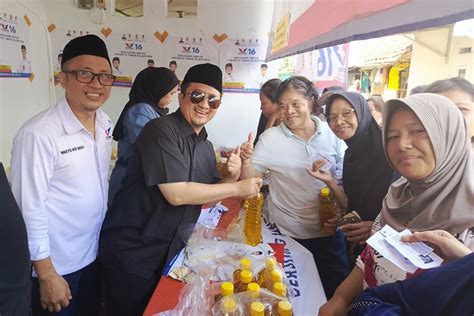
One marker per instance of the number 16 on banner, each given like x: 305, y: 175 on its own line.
x: 332, y: 62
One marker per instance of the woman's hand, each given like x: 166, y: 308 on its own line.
x: 358, y: 232
x: 317, y: 173
x: 450, y: 247
x: 246, y: 150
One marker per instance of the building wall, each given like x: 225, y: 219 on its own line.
x: 20, y: 98
x: 427, y: 66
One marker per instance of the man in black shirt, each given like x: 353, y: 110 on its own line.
x: 15, y: 284
x: 172, y: 172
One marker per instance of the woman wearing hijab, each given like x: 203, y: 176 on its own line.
x: 149, y: 98
x: 367, y: 174
x: 426, y: 141
x: 461, y: 92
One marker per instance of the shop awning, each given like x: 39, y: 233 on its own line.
x: 299, y: 26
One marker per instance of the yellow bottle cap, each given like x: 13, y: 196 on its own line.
x: 284, y: 308
x: 279, y: 289
x: 325, y: 191
x: 257, y: 309
x: 270, y: 262
x: 227, y: 288
x: 275, y: 276
x: 229, y: 305
x: 254, y: 289
x: 246, y: 276
x: 245, y: 263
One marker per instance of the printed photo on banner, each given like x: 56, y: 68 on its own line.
x: 181, y: 53
x: 243, y: 64
x: 15, y: 51
x: 129, y: 53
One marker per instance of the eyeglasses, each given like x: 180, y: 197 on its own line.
x: 197, y: 96
x: 85, y: 76
x: 332, y: 118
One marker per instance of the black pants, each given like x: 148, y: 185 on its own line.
x: 85, y: 286
x: 127, y: 294
x: 331, y: 260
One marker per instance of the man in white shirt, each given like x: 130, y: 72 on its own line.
x: 228, y: 77
x: 116, y: 64
x: 263, y: 75
x: 24, y: 65
x: 59, y: 169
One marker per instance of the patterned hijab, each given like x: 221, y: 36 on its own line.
x: 444, y: 199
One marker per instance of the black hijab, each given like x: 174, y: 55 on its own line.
x: 366, y: 174
x: 150, y: 85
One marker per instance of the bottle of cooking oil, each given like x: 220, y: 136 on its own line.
x: 284, y: 308
x: 245, y: 264
x: 226, y: 289
x: 242, y: 284
x: 279, y: 289
x: 257, y: 309
x: 253, y: 220
x: 264, y: 274
x: 275, y: 277
x: 253, y: 290
x: 327, y: 210
x: 228, y: 307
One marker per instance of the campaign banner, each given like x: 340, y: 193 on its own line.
x: 325, y: 67
x: 129, y: 54
x: 181, y: 53
x: 15, y: 43
x: 59, y: 38
x: 243, y: 65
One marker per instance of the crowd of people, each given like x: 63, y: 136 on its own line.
x: 407, y: 163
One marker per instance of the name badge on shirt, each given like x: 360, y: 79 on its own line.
x: 72, y: 149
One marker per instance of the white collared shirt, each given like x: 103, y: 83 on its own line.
x: 24, y: 66
x: 59, y: 179
x: 293, y: 202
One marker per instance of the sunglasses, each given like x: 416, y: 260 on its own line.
x: 197, y: 96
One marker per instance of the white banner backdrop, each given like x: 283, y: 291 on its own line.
x: 15, y: 46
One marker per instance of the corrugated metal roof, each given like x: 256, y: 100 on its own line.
x: 379, y: 52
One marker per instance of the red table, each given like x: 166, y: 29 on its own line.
x: 166, y: 295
